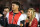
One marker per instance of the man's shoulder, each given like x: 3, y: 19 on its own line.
x: 24, y: 14
x: 23, y: 17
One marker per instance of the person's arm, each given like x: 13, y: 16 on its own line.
x: 22, y: 23
x: 22, y: 20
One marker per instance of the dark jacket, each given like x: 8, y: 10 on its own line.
x: 3, y: 21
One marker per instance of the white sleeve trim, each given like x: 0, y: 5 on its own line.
x: 22, y: 17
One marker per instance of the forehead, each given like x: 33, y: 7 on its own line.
x: 14, y: 4
x: 6, y: 9
x: 29, y: 10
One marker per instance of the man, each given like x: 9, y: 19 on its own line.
x: 14, y: 17
x: 0, y: 19
x: 3, y: 18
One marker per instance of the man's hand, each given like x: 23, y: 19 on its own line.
x: 21, y: 24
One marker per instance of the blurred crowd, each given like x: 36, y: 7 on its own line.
x: 17, y: 16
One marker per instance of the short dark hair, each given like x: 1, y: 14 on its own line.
x: 16, y: 3
x: 6, y: 7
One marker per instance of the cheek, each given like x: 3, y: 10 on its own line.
x: 15, y: 6
x: 4, y: 12
x: 29, y: 13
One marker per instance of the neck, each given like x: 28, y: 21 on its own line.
x: 15, y: 11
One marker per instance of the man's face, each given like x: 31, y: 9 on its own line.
x: 5, y: 11
x: 15, y: 6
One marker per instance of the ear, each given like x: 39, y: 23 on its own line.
x: 17, y: 6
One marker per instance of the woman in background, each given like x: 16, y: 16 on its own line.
x: 31, y: 17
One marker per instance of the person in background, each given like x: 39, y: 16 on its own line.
x: 22, y: 11
x: 14, y: 17
x: 37, y: 14
x: 1, y: 15
x: 0, y: 19
x: 6, y: 9
x: 3, y: 18
x: 31, y: 18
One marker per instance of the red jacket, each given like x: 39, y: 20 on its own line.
x: 34, y: 23
x: 15, y: 18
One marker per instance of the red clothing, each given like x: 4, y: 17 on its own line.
x: 34, y: 23
x: 15, y: 18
